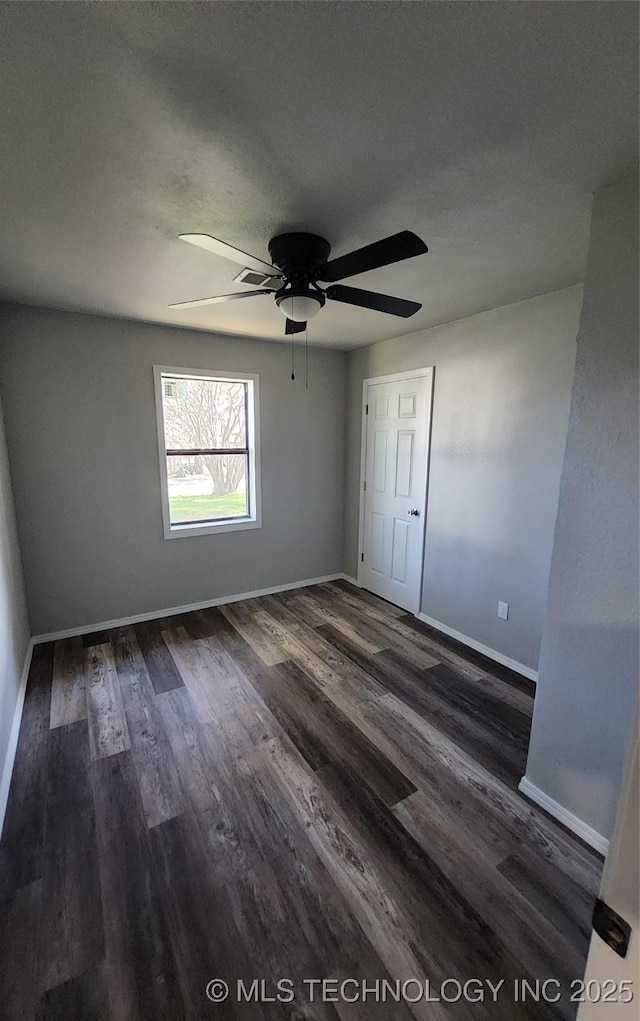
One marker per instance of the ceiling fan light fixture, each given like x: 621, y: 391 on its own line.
x: 300, y: 307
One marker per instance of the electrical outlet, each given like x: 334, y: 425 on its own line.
x: 503, y: 610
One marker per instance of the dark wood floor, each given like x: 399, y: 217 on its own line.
x: 302, y: 786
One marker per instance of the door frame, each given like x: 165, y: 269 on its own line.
x: 393, y: 377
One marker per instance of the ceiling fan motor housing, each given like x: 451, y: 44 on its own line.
x: 300, y: 257
x: 299, y: 253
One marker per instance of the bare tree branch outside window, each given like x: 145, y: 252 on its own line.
x: 209, y: 414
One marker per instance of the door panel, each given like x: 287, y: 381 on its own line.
x: 407, y: 406
x: 394, y: 496
x: 382, y: 407
x: 404, y: 463
x: 377, y: 543
x: 400, y: 548
x: 380, y: 444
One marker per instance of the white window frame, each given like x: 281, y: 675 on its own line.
x: 254, y: 519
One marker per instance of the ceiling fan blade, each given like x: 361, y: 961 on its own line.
x: 228, y: 252
x: 293, y: 327
x: 371, y: 299
x: 220, y: 297
x: 400, y: 246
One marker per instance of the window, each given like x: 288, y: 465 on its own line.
x: 207, y: 432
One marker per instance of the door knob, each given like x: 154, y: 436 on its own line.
x: 415, y: 513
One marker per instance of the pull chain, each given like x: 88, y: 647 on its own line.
x: 293, y: 372
x: 306, y: 360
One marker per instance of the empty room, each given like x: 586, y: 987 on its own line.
x: 319, y: 510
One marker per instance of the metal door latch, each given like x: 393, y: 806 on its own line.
x: 611, y: 928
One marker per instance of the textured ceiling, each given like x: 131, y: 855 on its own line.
x: 484, y: 127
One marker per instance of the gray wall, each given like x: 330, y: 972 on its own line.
x: 81, y: 430
x: 14, y: 626
x: 589, y: 658
x: 501, y: 401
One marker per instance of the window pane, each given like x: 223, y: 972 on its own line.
x: 203, y: 413
x: 207, y: 488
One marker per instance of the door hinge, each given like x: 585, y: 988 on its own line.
x: 366, y: 410
x: 362, y: 557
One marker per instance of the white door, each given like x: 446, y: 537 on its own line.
x: 611, y: 989
x: 396, y: 438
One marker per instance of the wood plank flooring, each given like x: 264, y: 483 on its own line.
x: 306, y: 786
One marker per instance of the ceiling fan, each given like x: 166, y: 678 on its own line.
x: 300, y: 261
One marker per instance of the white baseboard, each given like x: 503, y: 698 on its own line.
x: 12, y: 747
x: 498, y: 657
x: 104, y: 625
x: 352, y: 581
x: 563, y: 815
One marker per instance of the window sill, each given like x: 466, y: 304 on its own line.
x: 215, y: 527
